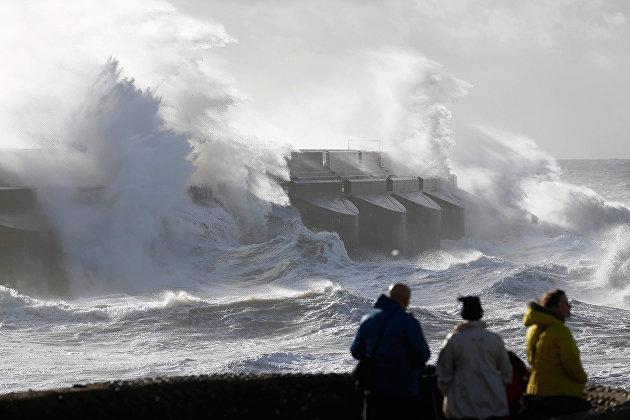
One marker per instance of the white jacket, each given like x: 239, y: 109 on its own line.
x: 473, y: 368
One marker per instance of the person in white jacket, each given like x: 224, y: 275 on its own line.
x: 473, y: 368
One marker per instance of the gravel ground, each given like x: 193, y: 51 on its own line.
x: 290, y: 396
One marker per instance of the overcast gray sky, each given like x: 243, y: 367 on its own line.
x: 554, y: 71
x: 317, y: 73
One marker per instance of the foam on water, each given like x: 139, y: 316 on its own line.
x: 614, y: 270
x: 165, y: 286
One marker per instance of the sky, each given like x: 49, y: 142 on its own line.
x: 553, y: 71
x: 323, y: 73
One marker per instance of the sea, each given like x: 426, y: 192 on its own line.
x: 161, y: 285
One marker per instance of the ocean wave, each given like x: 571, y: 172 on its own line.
x: 613, y: 273
x: 573, y: 207
x: 16, y: 308
x: 531, y: 281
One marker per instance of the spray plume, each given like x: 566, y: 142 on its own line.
x: 517, y: 188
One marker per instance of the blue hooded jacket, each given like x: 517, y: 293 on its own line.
x: 402, y: 353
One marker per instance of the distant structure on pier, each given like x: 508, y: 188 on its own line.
x: 353, y: 193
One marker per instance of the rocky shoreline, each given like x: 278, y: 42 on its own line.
x: 279, y: 396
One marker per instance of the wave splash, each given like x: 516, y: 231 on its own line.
x: 517, y: 188
x: 614, y: 269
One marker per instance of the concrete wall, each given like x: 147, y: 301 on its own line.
x: 344, y: 161
x: 371, y: 161
x: 365, y: 186
x: 17, y: 200
x: 403, y: 184
x: 307, y: 188
x: 453, y: 219
x: 308, y: 161
x: 31, y: 258
x: 32, y: 262
x: 319, y: 218
x: 428, y: 184
x: 382, y: 224
x: 339, y: 162
x: 423, y: 223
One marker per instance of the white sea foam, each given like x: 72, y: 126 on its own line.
x: 614, y: 271
x: 165, y: 286
x: 517, y: 189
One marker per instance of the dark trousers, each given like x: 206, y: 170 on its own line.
x: 561, y: 405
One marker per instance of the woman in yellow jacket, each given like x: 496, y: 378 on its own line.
x: 557, y: 376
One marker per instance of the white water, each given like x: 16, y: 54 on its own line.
x: 163, y: 286
x: 293, y: 303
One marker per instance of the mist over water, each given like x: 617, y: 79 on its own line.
x: 162, y: 285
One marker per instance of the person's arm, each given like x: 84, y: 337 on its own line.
x: 419, y: 344
x: 531, y: 339
x: 503, y: 364
x: 570, y: 356
x: 357, y: 348
x: 445, y: 366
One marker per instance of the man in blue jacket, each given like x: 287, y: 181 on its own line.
x: 400, y: 355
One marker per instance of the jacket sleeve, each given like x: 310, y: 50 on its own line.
x: 570, y: 356
x: 445, y: 366
x: 532, y: 336
x: 419, y: 344
x: 357, y: 348
x: 503, y: 364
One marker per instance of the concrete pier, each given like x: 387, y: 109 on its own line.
x: 452, y: 224
x: 382, y: 219
x: 31, y: 258
x: 390, y: 214
x: 322, y: 207
x: 423, y: 215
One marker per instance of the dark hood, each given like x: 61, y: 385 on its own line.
x: 386, y: 304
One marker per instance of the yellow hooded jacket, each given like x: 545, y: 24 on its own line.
x: 552, y: 354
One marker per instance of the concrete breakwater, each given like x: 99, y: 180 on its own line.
x: 274, y: 396
x: 356, y: 194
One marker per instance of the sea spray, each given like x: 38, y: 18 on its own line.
x: 113, y: 242
x: 516, y: 188
x: 54, y: 50
x: 415, y: 92
x: 572, y: 207
x: 245, y: 181
x: 614, y: 269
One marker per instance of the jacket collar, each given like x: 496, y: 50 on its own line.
x: 537, y: 307
x: 467, y: 325
x: 387, y: 304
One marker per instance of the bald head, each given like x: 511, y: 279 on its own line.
x: 400, y: 293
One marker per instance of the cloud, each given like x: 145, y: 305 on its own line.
x: 55, y: 48
x: 539, y: 24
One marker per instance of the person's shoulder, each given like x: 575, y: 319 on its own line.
x: 559, y: 330
x: 407, y: 318
x: 496, y: 337
x: 370, y: 315
x: 410, y: 315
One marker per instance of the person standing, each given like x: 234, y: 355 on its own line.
x: 401, y: 352
x: 473, y: 368
x: 557, y: 376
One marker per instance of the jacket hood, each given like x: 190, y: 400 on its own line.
x: 386, y: 304
x: 539, y: 315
